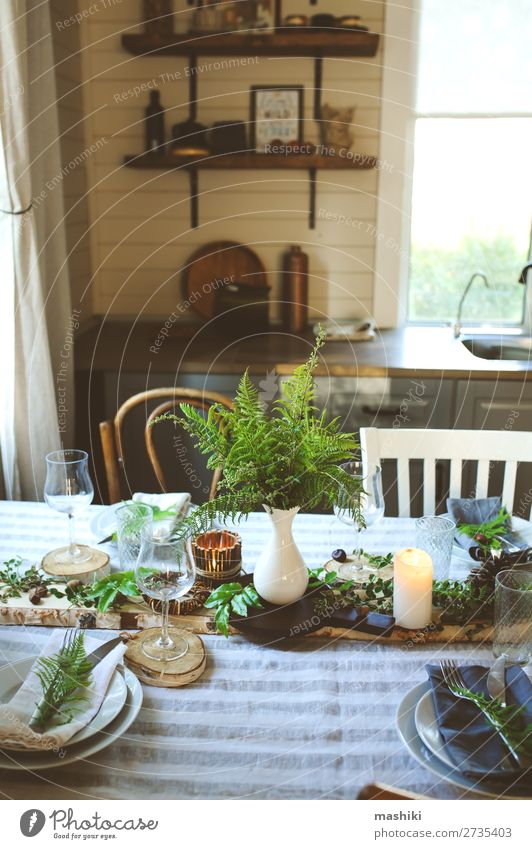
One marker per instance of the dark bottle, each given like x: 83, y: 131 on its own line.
x: 295, y: 290
x: 155, y: 124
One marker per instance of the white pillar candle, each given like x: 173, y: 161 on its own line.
x: 412, y: 588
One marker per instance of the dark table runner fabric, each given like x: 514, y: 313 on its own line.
x: 471, y: 742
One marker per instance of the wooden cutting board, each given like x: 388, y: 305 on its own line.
x: 53, y: 612
x: 212, y: 265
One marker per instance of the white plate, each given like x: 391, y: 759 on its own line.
x: 103, y: 523
x: 408, y: 733
x: 427, y: 728
x: 12, y: 676
x: 87, y: 748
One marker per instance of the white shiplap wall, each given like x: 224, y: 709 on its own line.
x: 140, y: 226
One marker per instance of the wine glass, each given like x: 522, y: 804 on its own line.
x: 68, y: 489
x: 165, y: 570
x: 371, y: 508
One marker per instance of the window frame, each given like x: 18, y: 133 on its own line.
x: 396, y: 171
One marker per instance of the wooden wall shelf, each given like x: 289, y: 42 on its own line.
x: 284, y: 42
x: 251, y: 161
x: 248, y: 162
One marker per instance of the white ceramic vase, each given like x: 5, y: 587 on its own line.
x: 281, y: 576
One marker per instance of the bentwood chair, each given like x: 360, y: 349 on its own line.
x: 489, y: 450
x: 114, y: 443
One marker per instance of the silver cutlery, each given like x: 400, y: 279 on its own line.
x: 454, y: 681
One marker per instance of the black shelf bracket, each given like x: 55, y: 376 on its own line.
x: 318, y: 85
x: 194, y: 202
x: 312, y: 198
x: 192, y: 87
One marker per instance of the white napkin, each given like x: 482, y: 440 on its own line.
x: 16, y: 714
x: 166, y: 501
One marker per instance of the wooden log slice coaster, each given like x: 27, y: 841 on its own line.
x: 95, y: 567
x: 174, y: 673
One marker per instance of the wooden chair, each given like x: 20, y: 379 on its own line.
x: 112, y: 437
x: 483, y: 446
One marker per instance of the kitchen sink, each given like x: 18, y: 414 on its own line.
x: 494, y: 347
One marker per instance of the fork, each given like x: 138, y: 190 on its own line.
x: 455, y: 682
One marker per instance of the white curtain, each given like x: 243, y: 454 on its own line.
x: 34, y: 291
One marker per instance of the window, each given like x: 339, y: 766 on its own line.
x: 472, y: 176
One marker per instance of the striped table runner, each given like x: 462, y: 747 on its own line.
x: 313, y: 720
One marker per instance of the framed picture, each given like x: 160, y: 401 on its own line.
x: 276, y: 115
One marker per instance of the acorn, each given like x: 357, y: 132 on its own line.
x: 37, y: 593
x: 74, y: 584
x: 339, y: 555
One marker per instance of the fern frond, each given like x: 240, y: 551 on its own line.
x: 62, y: 677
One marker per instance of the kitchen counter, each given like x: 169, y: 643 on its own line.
x: 147, y: 346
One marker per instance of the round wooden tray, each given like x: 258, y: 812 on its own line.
x: 214, y: 262
x: 175, y: 673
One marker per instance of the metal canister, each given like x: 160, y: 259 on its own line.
x: 295, y: 290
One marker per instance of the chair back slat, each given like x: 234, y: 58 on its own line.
x: 455, y: 478
x: 403, y: 485
x: 508, y: 486
x: 429, y: 487
x: 483, y: 474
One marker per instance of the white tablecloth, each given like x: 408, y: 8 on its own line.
x: 313, y: 720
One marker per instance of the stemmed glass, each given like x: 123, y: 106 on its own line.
x: 68, y: 489
x: 165, y: 570
x: 371, y: 507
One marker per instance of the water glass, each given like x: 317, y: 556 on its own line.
x: 512, y: 637
x: 371, y: 504
x: 68, y: 489
x: 131, y: 521
x: 165, y: 571
x: 435, y: 535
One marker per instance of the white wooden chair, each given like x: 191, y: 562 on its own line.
x: 483, y: 446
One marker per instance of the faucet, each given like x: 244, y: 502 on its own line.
x: 458, y: 322
x: 522, y: 276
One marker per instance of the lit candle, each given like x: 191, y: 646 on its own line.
x: 412, y: 588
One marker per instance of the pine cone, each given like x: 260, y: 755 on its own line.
x: 484, y: 574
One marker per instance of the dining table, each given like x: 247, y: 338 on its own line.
x: 310, y: 718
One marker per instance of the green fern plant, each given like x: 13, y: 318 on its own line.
x: 289, y: 457
x: 62, y: 677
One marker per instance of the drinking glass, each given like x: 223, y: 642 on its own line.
x: 131, y: 520
x: 68, y: 489
x: 512, y: 637
x: 165, y: 571
x: 371, y: 507
x: 435, y: 535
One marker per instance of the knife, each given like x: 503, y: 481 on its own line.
x: 496, y: 683
x: 93, y: 658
